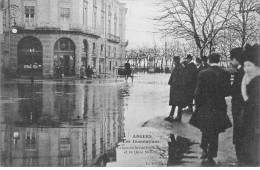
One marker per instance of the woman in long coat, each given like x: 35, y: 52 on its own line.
x: 177, y: 90
x: 251, y: 94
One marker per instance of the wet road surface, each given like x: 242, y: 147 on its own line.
x: 98, y: 123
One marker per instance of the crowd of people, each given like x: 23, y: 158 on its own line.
x: 208, y: 85
x: 89, y: 72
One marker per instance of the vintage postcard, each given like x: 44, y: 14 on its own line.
x: 129, y: 83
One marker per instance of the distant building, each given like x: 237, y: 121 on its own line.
x: 1, y: 43
x: 65, y: 34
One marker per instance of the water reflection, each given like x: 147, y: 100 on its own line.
x: 61, y: 123
x: 179, y: 148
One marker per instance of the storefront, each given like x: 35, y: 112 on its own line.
x: 64, y: 57
x: 30, y: 56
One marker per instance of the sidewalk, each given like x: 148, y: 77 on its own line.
x: 226, y: 153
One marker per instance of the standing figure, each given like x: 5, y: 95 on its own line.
x: 237, y: 99
x: 177, y: 90
x: 251, y: 94
x: 82, y: 68
x: 204, y: 62
x: 88, y: 72
x: 128, y: 71
x: 210, y: 115
x: 190, y: 81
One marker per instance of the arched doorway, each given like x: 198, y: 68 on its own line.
x: 64, y: 57
x: 30, y: 56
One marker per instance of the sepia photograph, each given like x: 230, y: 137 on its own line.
x: 129, y: 83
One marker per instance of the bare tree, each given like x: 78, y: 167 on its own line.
x: 200, y: 20
x: 244, y: 22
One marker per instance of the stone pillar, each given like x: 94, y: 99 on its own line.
x: 78, y: 53
x: 48, y: 42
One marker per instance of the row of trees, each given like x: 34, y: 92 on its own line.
x: 210, y: 24
x: 158, y: 55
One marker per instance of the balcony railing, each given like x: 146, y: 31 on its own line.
x: 113, y: 38
x: 63, y: 27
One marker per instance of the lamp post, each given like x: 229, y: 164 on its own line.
x: 13, y: 12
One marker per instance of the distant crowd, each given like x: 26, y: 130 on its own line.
x: 203, y: 85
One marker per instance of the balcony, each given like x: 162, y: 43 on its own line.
x: 113, y: 38
x: 61, y: 26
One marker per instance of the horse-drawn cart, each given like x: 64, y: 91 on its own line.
x: 125, y: 71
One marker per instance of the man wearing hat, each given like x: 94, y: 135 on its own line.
x: 177, y: 90
x: 191, y: 79
x: 237, y: 99
x: 199, y: 64
x: 211, y: 109
x: 204, y: 62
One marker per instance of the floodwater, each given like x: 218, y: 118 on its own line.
x: 89, y: 123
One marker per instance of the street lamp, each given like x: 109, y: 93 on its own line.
x: 16, y: 137
x: 14, y: 27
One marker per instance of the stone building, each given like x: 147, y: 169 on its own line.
x: 1, y: 44
x: 63, y: 35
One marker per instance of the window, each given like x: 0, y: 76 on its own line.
x: 103, y: 21
x: 115, y: 27
x: 109, y: 50
x: 110, y: 65
x: 64, y: 14
x: 4, y: 18
x: 94, y: 48
x: 101, y: 49
x: 109, y: 24
x: 95, y: 17
x: 103, y: 5
x: 85, y: 13
x: 115, y: 52
x: 29, y: 14
x: 115, y: 22
x: 109, y: 9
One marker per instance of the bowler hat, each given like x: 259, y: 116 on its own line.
x: 214, y: 58
x: 176, y: 59
x: 198, y: 60
x: 204, y: 58
x: 189, y: 57
x: 237, y: 54
x: 252, y: 54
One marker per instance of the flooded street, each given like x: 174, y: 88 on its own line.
x: 98, y: 123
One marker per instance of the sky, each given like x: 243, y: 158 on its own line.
x: 140, y: 29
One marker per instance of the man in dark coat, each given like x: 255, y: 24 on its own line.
x: 199, y: 65
x: 237, y: 99
x: 190, y: 81
x: 177, y: 90
x: 204, y: 62
x: 211, y: 109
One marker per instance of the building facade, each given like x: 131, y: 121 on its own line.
x: 64, y: 34
x: 1, y: 44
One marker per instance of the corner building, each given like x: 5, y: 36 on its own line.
x: 65, y: 34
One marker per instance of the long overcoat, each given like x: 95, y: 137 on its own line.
x: 251, y: 138
x: 177, y: 87
x: 237, y: 105
x: 190, y: 81
x: 212, y: 87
